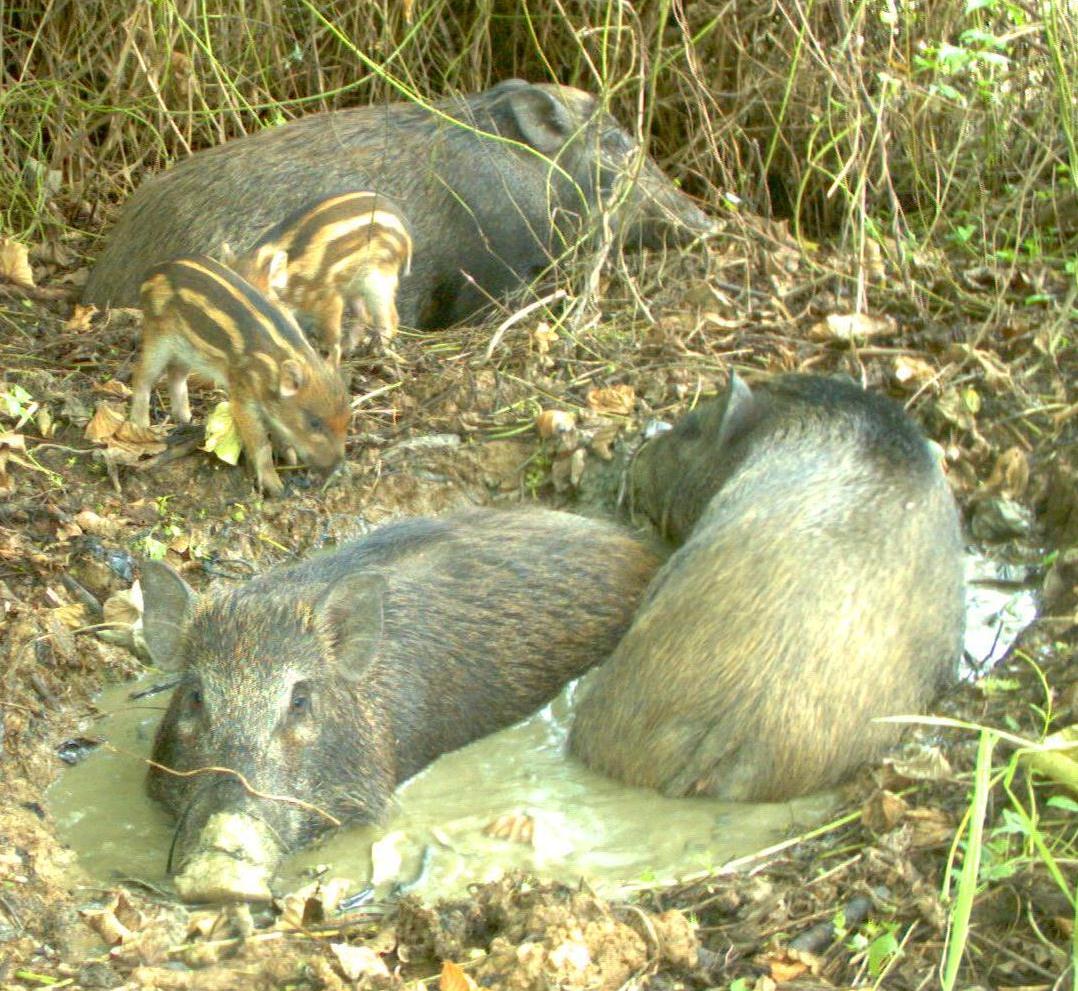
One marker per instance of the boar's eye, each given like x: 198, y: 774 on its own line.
x: 194, y: 698
x: 315, y: 423
x: 300, y: 704
x: 618, y: 142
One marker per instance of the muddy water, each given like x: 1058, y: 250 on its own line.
x: 439, y: 836
x: 581, y: 824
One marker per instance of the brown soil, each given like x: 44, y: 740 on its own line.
x: 988, y: 382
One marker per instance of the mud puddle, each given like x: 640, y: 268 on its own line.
x: 511, y: 800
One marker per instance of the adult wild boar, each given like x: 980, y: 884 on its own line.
x: 494, y: 187
x: 819, y: 586
x: 327, y: 683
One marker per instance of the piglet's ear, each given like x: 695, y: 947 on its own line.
x: 228, y: 256
x: 291, y: 379
x: 277, y: 271
x: 167, y: 604
x: 351, y: 615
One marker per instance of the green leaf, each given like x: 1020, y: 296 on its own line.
x: 222, y: 438
x: 14, y: 399
x: 881, y: 951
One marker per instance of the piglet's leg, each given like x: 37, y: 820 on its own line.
x: 156, y: 354
x: 379, y: 292
x: 256, y: 444
x: 328, y: 318
x: 177, y: 393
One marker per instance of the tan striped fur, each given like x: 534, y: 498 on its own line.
x: 343, y: 252
x: 200, y: 316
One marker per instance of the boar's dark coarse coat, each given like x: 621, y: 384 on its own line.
x: 333, y: 680
x: 820, y: 585
x: 486, y: 209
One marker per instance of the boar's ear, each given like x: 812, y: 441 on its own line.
x: 351, y: 614
x: 228, y: 256
x: 292, y: 377
x: 732, y: 415
x: 277, y: 271
x: 167, y: 603
x: 543, y: 120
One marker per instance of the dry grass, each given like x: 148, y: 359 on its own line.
x: 875, y: 121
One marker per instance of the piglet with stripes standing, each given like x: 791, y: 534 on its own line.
x: 200, y: 316
x: 344, y: 252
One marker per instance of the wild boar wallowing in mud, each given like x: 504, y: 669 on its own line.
x: 327, y: 683
x: 819, y: 586
x: 494, y: 186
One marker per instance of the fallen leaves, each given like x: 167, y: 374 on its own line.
x: 313, y: 903
x: 851, y: 327
x: 516, y: 827
x: 454, y: 978
x: 80, y: 319
x: 125, y: 442
x: 612, y: 400
x: 554, y: 421
x: 357, y: 962
x: 15, y: 264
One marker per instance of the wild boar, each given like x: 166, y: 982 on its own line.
x: 819, y: 586
x: 345, y: 254
x: 200, y: 316
x: 495, y: 186
x: 327, y: 683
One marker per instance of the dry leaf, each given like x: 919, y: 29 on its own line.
x: 12, y: 442
x: 571, y: 955
x: 310, y: 904
x: 618, y: 400
x: 358, y: 961
x: 123, y: 607
x: 786, y: 970
x: 454, y: 978
x: 73, y: 615
x: 912, y: 373
x: 850, y: 327
x: 883, y: 811
x: 45, y: 425
x: 554, y: 421
x: 928, y: 765
x: 386, y: 858
x: 117, y: 922
x: 99, y: 526
x: 567, y: 471
x: 104, y: 423
x: 544, y: 337
x: 15, y: 264
x: 516, y: 827
x: 1010, y: 474
x: 114, y: 387
x: 602, y: 443
x: 80, y: 318
x: 929, y: 827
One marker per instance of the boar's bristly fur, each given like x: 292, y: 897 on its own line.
x: 334, y: 680
x: 819, y: 586
x: 495, y: 185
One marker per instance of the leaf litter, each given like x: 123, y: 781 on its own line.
x: 553, y: 417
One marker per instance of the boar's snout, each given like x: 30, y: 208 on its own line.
x: 233, y: 862
x: 224, y: 849
x: 657, y: 213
